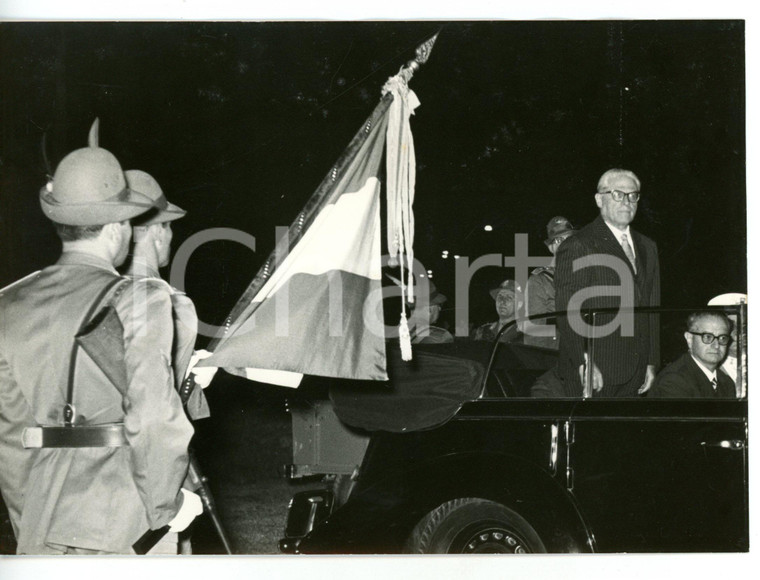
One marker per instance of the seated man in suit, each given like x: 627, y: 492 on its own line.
x: 697, y: 373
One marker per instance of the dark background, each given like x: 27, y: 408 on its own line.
x: 239, y: 122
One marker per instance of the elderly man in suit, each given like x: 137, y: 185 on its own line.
x: 610, y: 254
x: 697, y: 373
x: 91, y: 458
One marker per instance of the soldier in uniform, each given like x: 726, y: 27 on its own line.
x: 152, y: 235
x: 508, y: 303
x: 539, y: 292
x: 422, y: 327
x: 91, y: 458
x: 424, y: 315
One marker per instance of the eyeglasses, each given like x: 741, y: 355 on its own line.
x: 617, y: 195
x: 709, y: 337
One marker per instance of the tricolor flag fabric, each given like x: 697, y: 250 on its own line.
x: 315, y: 306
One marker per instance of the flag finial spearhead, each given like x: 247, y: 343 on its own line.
x: 422, y: 53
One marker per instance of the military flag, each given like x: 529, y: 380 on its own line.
x: 315, y: 307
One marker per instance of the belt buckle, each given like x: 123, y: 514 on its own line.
x: 69, y: 413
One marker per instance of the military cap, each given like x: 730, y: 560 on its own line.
x: 510, y: 285
x: 164, y: 210
x: 556, y: 227
x: 89, y: 189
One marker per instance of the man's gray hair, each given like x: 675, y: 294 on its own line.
x: 695, y: 317
x: 610, y: 174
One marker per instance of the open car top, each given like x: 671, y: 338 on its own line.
x: 428, y: 390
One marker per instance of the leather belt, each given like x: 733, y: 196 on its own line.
x: 83, y: 436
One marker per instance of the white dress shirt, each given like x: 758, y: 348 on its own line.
x: 619, y: 236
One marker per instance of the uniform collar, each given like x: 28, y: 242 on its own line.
x: 141, y: 269
x: 73, y: 258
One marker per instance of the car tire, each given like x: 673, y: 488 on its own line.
x: 472, y: 526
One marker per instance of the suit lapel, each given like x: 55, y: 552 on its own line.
x: 608, y: 242
x: 726, y: 385
x: 705, y: 387
x: 638, y: 248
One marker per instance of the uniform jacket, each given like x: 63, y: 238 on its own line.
x: 489, y: 330
x: 539, y: 294
x: 540, y: 291
x: 94, y: 498
x: 185, y: 334
x: 621, y: 359
x: 430, y: 335
x: 15, y: 414
x: 683, y: 379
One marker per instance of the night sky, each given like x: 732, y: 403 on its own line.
x: 239, y: 122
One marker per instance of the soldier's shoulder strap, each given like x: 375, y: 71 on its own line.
x: 155, y: 282
x: 545, y: 270
x: 100, y: 315
x: 27, y: 278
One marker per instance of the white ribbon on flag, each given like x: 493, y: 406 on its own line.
x: 401, y: 172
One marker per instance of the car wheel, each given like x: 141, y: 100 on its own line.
x: 473, y: 526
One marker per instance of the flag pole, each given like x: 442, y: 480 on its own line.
x: 308, y: 213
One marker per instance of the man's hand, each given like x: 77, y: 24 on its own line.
x: 648, y: 380
x: 597, y: 380
x: 203, y: 375
x: 191, y: 507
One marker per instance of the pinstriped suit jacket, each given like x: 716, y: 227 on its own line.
x: 621, y: 359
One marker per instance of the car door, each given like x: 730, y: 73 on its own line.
x: 661, y: 476
x: 664, y: 475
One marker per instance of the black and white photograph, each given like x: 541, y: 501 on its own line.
x: 373, y: 287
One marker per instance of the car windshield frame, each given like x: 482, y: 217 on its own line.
x: 739, y: 310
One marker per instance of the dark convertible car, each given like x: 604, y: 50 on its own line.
x: 456, y: 456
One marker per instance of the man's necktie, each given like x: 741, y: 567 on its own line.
x: 715, y: 383
x: 628, y: 251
